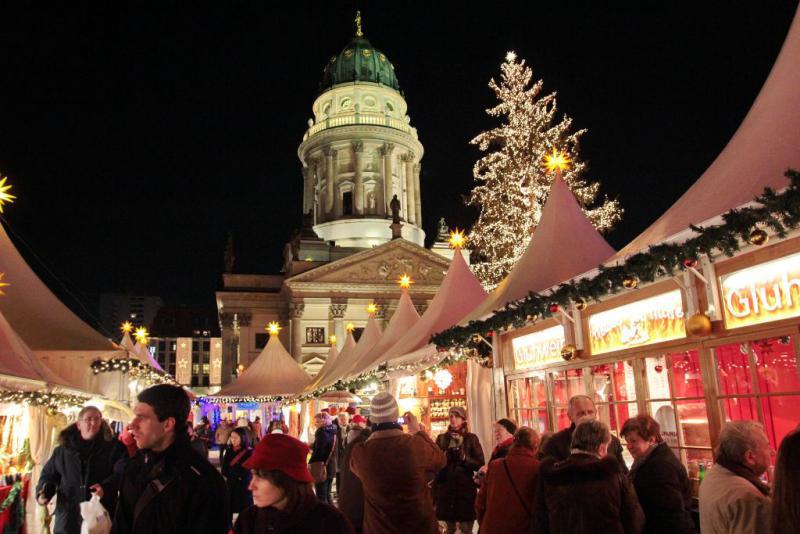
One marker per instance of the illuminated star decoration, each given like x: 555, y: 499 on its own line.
x: 511, y: 56
x: 558, y: 160
x: 5, y: 197
x: 372, y: 308
x: 141, y: 335
x: 350, y: 327
x: 333, y: 340
x: 457, y: 239
x: 273, y: 328
x: 405, y: 281
x: 3, y: 284
x: 126, y: 327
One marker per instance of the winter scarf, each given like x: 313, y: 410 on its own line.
x: 743, y: 471
x: 455, y: 436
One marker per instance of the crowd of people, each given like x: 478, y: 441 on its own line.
x: 391, y: 476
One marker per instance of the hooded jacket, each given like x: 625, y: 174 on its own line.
x: 455, y: 487
x: 176, y: 491
x: 584, y: 495
x: 75, y: 466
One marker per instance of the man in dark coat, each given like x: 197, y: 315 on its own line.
x: 169, y: 487
x: 82, y: 464
x: 587, y: 492
x: 581, y: 407
x: 350, y: 490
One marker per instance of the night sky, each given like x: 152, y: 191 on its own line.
x: 137, y: 137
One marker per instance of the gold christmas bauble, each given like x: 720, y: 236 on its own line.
x: 698, y: 325
x: 630, y: 282
x: 758, y: 237
x: 580, y: 304
x: 569, y: 352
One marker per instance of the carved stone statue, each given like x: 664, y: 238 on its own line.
x: 394, y: 204
x: 444, y: 231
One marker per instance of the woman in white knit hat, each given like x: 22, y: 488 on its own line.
x: 394, y: 468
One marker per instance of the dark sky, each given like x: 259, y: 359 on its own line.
x: 137, y: 135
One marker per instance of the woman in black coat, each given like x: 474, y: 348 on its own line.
x: 324, y: 450
x: 82, y: 464
x: 236, y: 476
x: 659, y: 478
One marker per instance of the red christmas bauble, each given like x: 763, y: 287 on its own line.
x: 690, y: 263
x: 659, y: 368
x: 554, y: 308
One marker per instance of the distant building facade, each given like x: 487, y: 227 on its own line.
x: 117, y: 308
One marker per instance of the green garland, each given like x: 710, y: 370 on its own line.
x: 136, y: 368
x: 42, y: 398
x: 16, y: 489
x: 777, y: 211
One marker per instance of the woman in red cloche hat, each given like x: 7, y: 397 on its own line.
x: 283, y: 493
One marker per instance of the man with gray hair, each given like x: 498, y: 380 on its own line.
x: 732, y: 496
x: 581, y: 408
x: 586, y: 492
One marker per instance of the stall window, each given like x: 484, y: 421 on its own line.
x: 614, y: 393
x: 676, y: 400
x: 759, y: 380
x: 566, y: 384
x: 528, y: 402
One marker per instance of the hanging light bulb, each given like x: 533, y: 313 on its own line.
x: 443, y: 378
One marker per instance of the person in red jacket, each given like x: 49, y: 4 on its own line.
x: 505, y: 500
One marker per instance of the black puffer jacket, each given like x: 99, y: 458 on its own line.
x: 664, y: 491
x: 584, y: 495
x: 75, y: 466
x: 176, y: 491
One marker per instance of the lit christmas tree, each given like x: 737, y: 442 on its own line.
x: 513, y: 182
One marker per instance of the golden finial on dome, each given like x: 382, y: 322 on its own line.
x: 358, y: 24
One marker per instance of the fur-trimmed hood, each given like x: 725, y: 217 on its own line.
x: 578, y: 468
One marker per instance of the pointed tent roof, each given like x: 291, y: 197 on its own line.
x: 333, y: 353
x: 18, y: 361
x: 127, y: 342
x: 757, y: 155
x: 459, y: 293
x: 403, y: 319
x: 274, y: 372
x: 35, y: 313
x: 347, y: 359
x: 546, y: 261
x: 142, y: 353
x: 321, y: 380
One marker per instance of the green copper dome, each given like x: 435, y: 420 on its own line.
x: 359, y: 61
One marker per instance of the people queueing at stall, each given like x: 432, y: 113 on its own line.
x: 393, y: 478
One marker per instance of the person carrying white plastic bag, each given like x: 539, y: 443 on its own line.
x: 95, y: 517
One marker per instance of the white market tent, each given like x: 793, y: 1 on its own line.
x: 765, y: 145
x: 547, y: 261
x: 403, y: 319
x: 326, y: 374
x: 142, y: 353
x: 350, y: 355
x: 273, y: 373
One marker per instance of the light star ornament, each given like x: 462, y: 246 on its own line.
x: 558, y: 160
x: 273, y: 328
x: 141, y: 335
x: 3, y: 284
x: 457, y: 239
x: 5, y: 196
x: 405, y: 281
x: 126, y: 327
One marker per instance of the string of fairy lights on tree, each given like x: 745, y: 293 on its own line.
x: 775, y: 211
x: 512, y: 187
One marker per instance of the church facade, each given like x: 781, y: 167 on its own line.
x: 362, y: 225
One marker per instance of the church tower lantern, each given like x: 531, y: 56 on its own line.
x: 360, y: 151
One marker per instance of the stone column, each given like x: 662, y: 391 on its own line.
x: 359, y: 206
x: 417, y: 196
x: 296, y: 325
x: 307, y: 174
x: 386, y: 152
x: 230, y: 346
x: 337, y: 311
x: 243, y: 331
x: 411, y: 199
x: 330, y: 156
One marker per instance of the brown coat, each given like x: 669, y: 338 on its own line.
x: 498, y: 507
x: 394, y: 469
x: 583, y: 495
x: 350, y: 490
x: 455, y: 487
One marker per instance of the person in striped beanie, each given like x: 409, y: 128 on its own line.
x: 394, y: 468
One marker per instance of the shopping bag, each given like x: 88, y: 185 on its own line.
x: 95, y: 517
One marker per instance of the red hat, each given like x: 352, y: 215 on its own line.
x: 282, y: 453
x: 359, y: 419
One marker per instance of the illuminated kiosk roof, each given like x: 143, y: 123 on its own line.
x: 547, y: 261
x: 369, y: 338
x: 758, y: 154
x: 459, y: 293
x: 323, y: 380
x: 274, y: 372
x: 404, y: 318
